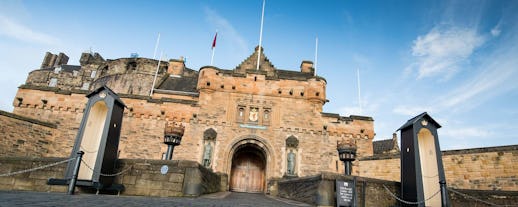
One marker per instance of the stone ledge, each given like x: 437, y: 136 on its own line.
x: 506, y: 148
x: 27, y: 119
x: 381, y: 157
x: 33, y: 159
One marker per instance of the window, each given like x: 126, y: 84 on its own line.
x: 132, y: 66
x: 266, y: 116
x: 92, y: 75
x: 57, y: 69
x: 240, y: 114
x: 53, y: 82
x: 85, y: 86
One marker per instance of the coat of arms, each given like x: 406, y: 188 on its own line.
x: 254, y: 115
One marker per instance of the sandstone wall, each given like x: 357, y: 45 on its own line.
x: 140, y: 177
x: 21, y: 136
x: 492, y: 168
x: 320, y: 190
x: 31, y: 181
x: 145, y: 118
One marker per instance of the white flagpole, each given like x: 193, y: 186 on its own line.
x: 359, y: 94
x: 156, y: 73
x: 316, y: 55
x: 156, y: 45
x: 212, y: 57
x: 260, y: 36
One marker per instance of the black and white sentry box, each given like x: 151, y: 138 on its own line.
x: 98, y: 138
x: 421, y: 161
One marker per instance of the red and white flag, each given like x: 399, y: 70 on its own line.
x: 213, y: 47
x: 214, y: 42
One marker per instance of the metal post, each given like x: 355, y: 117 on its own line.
x: 169, y: 154
x: 73, y: 180
x: 348, y: 167
x: 444, y: 202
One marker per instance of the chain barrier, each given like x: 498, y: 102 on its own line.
x: 410, y: 202
x: 37, y: 168
x: 476, y: 199
x: 107, y: 175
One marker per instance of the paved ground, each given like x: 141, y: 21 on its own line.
x: 24, y: 198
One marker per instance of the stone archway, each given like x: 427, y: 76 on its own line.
x: 249, y: 165
x: 248, y: 170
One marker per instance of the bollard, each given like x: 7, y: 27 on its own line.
x: 444, y: 202
x: 72, y: 184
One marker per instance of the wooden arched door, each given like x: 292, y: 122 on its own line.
x: 248, y: 171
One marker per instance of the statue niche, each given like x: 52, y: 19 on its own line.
x: 292, y: 144
x: 209, y: 139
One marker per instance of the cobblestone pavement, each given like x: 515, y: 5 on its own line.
x: 24, y: 198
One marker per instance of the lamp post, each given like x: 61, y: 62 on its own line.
x: 347, y: 153
x: 173, y: 134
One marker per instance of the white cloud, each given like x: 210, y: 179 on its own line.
x: 411, y: 110
x: 496, y: 30
x: 226, y: 30
x: 442, y: 50
x: 466, y: 133
x: 13, y: 29
x: 368, y: 108
x: 498, y: 75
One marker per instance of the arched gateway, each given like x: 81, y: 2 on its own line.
x: 248, y: 166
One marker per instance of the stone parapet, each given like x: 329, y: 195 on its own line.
x: 320, y: 190
x: 140, y: 177
x: 491, y: 168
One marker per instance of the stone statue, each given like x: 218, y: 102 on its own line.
x: 207, y: 155
x: 291, y: 163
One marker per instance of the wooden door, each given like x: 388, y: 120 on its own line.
x: 247, y: 173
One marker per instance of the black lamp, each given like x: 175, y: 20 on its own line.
x: 173, y: 134
x: 347, y: 153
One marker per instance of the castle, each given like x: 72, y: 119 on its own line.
x: 253, y: 125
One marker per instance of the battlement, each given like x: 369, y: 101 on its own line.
x: 290, y: 84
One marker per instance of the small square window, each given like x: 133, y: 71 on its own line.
x: 53, y: 82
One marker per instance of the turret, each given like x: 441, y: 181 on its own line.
x: 176, y: 67
x: 307, y: 67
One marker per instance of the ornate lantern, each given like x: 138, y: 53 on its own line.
x: 347, y: 153
x: 173, y: 134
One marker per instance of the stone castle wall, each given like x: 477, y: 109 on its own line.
x: 145, y: 118
x: 142, y: 127
x: 492, y: 168
x: 23, y: 136
x: 139, y: 177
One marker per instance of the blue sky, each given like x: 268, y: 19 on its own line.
x: 457, y: 60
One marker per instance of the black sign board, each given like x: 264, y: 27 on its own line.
x: 345, y: 193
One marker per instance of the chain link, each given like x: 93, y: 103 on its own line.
x: 37, y: 168
x: 410, y: 202
x: 476, y: 199
x: 107, y: 175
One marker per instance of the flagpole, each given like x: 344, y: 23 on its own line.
x: 212, y: 57
x: 156, y: 73
x: 156, y: 45
x: 260, y: 36
x: 316, y: 55
x: 359, y: 94
x: 213, y: 48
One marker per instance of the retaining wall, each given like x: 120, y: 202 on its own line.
x: 320, y: 190
x: 141, y: 177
